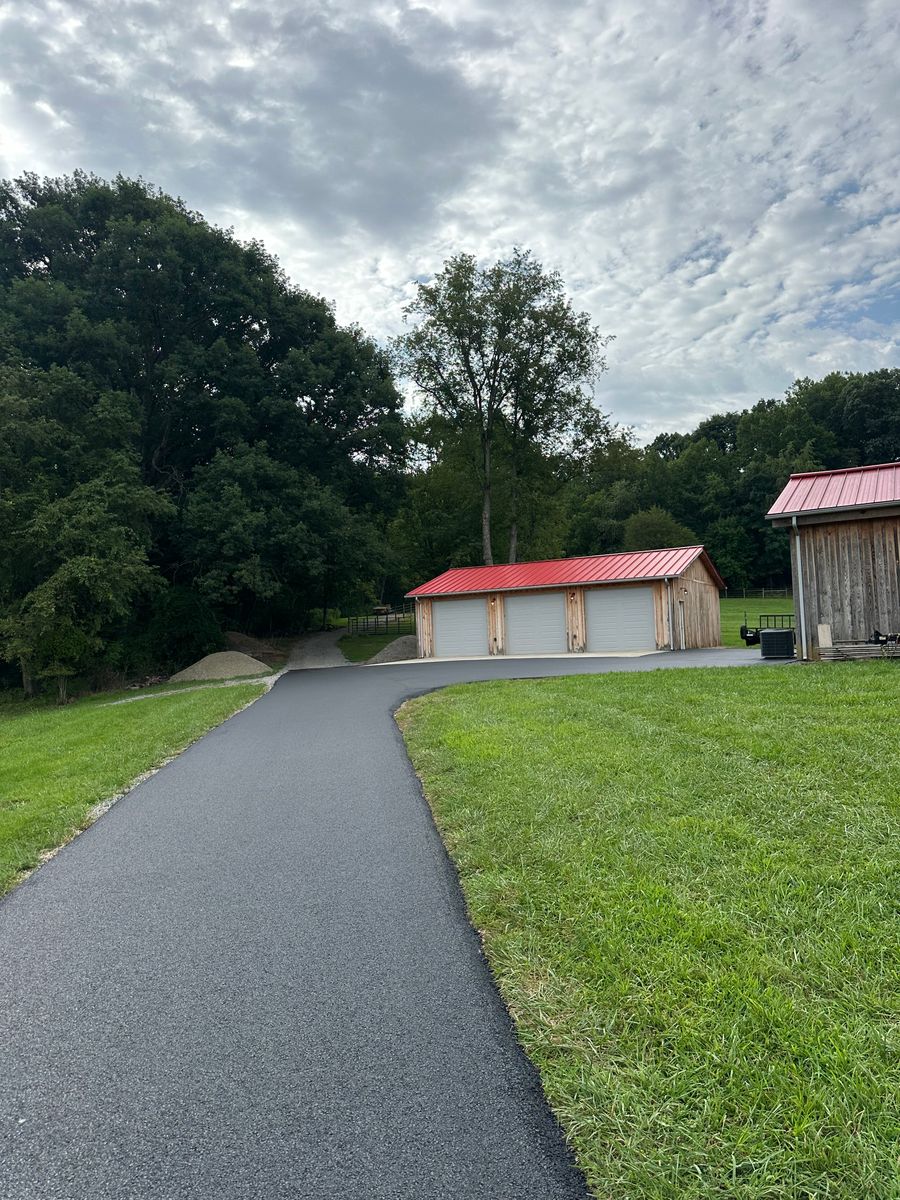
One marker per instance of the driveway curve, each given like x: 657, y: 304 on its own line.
x: 254, y: 977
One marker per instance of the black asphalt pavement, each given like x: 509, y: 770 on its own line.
x: 254, y: 976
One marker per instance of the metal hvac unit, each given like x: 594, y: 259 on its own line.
x: 776, y: 643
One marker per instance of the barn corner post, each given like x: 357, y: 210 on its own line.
x: 424, y: 628
x: 496, y: 624
x: 576, y: 637
x: 801, y: 593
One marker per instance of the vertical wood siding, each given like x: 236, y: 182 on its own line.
x: 576, y: 629
x: 661, y: 615
x: 851, y: 578
x: 496, y: 624
x: 424, y: 628
x: 702, y: 619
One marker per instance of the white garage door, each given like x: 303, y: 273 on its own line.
x: 536, y: 624
x: 619, y: 618
x: 460, y: 627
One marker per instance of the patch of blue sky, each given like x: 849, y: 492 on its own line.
x: 882, y: 308
x: 706, y: 255
x: 836, y: 195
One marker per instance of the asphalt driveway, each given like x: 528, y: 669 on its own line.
x: 254, y: 977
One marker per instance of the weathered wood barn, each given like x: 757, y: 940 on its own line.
x: 845, y: 553
x: 608, y: 603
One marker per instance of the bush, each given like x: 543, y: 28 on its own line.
x: 179, y: 628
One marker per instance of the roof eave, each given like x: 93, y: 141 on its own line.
x: 788, y: 514
x: 541, y: 587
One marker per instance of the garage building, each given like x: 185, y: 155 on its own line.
x: 845, y: 553
x: 603, y: 604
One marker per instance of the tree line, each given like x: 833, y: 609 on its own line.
x: 190, y: 443
x: 187, y: 441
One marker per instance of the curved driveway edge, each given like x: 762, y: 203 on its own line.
x: 254, y: 977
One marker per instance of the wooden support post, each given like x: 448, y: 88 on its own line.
x: 496, y: 624
x: 576, y: 629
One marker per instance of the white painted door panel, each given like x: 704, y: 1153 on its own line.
x: 460, y: 627
x: 536, y: 623
x: 619, y: 618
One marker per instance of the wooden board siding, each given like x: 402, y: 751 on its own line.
x: 576, y: 628
x: 700, y: 596
x: 496, y: 624
x: 424, y: 628
x: 851, y: 578
x: 661, y: 615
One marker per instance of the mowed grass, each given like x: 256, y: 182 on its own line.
x: 56, y: 764
x: 733, y: 612
x: 361, y: 647
x: 687, y: 884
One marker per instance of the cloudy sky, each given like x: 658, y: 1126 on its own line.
x: 718, y: 182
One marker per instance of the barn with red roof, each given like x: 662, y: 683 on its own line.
x: 637, y: 602
x: 845, y: 555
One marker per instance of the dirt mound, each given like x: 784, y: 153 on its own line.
x: 396, y: 651
x: 228, y: 664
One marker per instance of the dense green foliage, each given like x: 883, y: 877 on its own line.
x: 503, y: 363
x: 691, y: 915
x: 190, y: 443
x: 56, y: 765
x: 713, y: 485
x: 173, y: 413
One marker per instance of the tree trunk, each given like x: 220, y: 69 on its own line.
x: 62, y: 688
x: 486, y: 505
x: 514, y: 507
x: 27, y: 679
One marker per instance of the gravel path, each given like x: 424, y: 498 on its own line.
x: 317, y: 650
x: 254, y: 977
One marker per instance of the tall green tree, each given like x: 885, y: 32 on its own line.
x: 499, y: 352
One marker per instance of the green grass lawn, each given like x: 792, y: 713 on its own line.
x: 687, y: 884
x: 733, y: 616
x: 57, y: 763
x: 361, y: 647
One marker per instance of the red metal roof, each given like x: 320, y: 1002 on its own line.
x: 563, y: 572
x: 825, y: 491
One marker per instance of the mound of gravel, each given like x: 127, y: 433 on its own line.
x: 226, y: 665
x: 397, y: 650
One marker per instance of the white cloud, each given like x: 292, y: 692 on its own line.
x: 718, y: 184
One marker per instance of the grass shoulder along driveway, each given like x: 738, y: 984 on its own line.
x: 360, y: 647
x: 687, y: 885
x: 57, y: 764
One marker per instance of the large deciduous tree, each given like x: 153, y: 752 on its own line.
x: 165, y: 391
x: 499, y: 354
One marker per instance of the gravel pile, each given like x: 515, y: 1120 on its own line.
x: 226, y: 665
x: 397, y: 650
